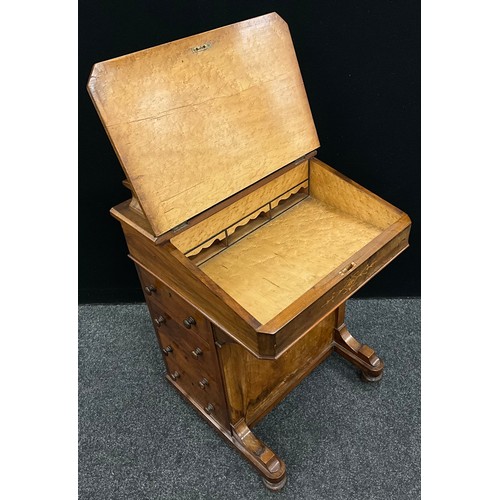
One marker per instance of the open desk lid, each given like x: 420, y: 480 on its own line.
x: 196, y: 120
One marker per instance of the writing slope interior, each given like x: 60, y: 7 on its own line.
x: 273, y: 245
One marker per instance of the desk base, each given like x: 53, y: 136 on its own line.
x: 267, y: 463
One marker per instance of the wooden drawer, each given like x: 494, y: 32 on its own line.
x: 202, y: 389
x: 184, y: 314
x: 192, y: 364
x: 187, y: 349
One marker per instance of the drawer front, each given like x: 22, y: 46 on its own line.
x: 195, y: 356
x: 192, y: 364
x: 207, y: 393
x: 184, y: 314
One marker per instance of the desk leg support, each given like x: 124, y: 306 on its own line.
x: 358, y: 354
x: 267, y: 463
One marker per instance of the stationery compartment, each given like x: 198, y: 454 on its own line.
x: 294, y: 242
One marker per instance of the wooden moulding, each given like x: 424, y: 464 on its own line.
x: 127, y: 215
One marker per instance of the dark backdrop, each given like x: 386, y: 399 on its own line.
x: 360, y: 61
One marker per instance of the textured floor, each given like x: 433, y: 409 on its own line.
x: 339, y: 437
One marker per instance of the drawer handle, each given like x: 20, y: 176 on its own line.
x: 209, y: 408
x: 197, y: 352
x: 203, y: 383
x: 159, y: 320
x: 188, y: 322
x: 150, y: 289
x: 167, y: 350
x: 175, y: 375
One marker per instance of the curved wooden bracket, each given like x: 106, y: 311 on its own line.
x: 261, y: 457
x: 361, y: 355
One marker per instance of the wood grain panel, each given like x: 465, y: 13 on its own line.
x: 271, y: 268
x: 241, y: 208
x: 336, y: 288
x: 253, y: 385
x: 336, y: 190
x: 193, y: 127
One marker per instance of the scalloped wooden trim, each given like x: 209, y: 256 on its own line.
x: 207, y: 244
x: 206, y: 230
x: 295, y: 190
x: 272, y: 206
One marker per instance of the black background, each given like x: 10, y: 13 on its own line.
x: 360, y: 62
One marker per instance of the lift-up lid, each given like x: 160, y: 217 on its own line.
x: 197, y: 120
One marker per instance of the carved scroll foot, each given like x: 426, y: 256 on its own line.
x: 358, y: 354
x: 261, y: 457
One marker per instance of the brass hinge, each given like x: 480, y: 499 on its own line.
x: 180, y: 226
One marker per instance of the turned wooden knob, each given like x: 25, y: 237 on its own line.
x: 203, y: 383
x: 175, y: 375
x: 150, y: 289
x: 159, y: 320
x: 209, y: 408
x: 167, y: 350
x: 197, y: 352
x: 188, y: 322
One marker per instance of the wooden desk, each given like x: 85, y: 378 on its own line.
x: 246, y: 245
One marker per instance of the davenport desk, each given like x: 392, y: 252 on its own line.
x: 247, y: 246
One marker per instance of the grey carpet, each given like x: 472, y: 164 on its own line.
x: 339, y: 437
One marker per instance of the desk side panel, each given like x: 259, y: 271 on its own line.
x: 255, y: 386
x: 337, y: 190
